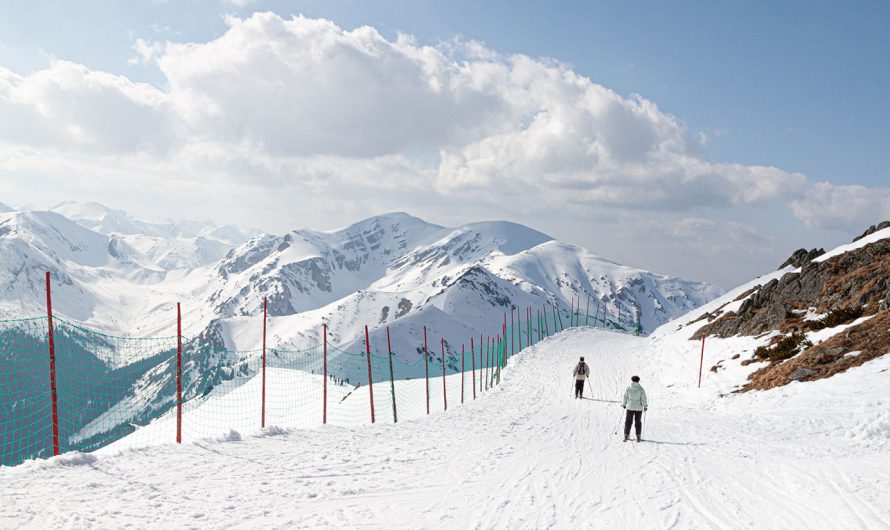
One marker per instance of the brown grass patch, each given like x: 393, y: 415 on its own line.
x: 826, y: 359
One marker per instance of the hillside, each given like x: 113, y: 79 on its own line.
x: 821, y: 314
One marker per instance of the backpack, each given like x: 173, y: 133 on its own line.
x: 582, y: 369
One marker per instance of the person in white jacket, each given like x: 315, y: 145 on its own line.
x: 581, y: 372
x: 635, y: 403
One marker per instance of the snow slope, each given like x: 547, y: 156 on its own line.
x: 871, y: 238
x: 525, y: 455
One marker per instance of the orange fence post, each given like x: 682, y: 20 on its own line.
x: 426, y: 358
x: 263, y: 413
x: 52, y: 367
x: 370, y: 375
x: 473, y: 361
x: 178, y: 374
x: 462, y: 355
x: 444, y: 386
x: 324, y: 406
x: 701, y: 360
x: 392, y: 381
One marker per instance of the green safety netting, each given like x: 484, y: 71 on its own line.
x: 123, y: 390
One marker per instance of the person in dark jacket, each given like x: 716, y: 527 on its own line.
x: 581, y: 372
x: 635, y: 403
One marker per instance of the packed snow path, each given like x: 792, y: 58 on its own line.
x: 526, y: 455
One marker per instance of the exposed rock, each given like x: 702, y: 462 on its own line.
x: 801, y: 374
x: 801, y: 257
x: 872, y: 229
x: 885, y: 303
x: 825, y: 356
x: 404, y: 307
x: 856, y: 278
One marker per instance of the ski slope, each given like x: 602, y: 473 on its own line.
x: 523, y: 455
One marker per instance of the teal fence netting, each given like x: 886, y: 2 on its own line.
x: 123, y: 390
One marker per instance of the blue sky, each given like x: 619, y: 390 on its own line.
x: 798, y: 86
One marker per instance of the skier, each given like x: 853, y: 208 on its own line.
x: 581, y: 371
x: 634, y: 403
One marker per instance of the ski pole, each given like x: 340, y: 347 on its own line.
x: 619, y: 423
x: 589, y: 387
x: 642, y: 423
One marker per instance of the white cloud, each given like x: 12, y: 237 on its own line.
x: 68, y: 106
x: 846, y: 208
x: 346, y: 122
x: 292, y: 99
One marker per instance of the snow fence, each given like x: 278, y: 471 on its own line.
x: 64, y: 387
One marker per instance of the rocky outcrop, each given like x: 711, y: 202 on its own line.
x: 855, y: 278
x: 843, y: 288
x: 801, y: 257
x: 872, y: 229
x: 852, y: 347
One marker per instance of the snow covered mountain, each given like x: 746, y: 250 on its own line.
x: 122, y: 276
x: 399, y: 270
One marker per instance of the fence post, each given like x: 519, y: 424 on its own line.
x: 370, y: 375
x: 496, y: 354
x: 263, y: 414
x: 528, y: 326
x: 492, y: 356
x: 597, y: 317
x: 53, y: 391
x: 504, y: 357
x: 558, y: 313
x: 518, y: 329
x: 324, y: 409
x: 473, y: 365
x: 392, y: 381
x: 577, y: 312
x: 546, y: 327
x: 505, y: 324
x: 481, y: 365
x: 487, y: 358
x: 572, y: 313
x: 462, y: 355
x: 503, y: 354
x: 701, y: 360
x: 178, y: 374
x: 426, y: 362
x: 512, y: 330
x: 444, y: 386
x: 495, y: 360
x: 587, y: 316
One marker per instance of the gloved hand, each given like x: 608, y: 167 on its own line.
x: 645, y: 409
x: 622, y: 406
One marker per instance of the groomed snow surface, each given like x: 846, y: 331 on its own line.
x: 523, y: 455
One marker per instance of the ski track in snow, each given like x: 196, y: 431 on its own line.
x: 523, y: 455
